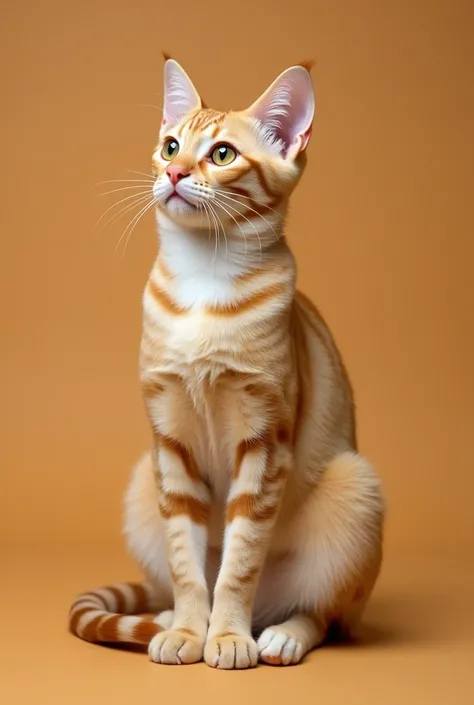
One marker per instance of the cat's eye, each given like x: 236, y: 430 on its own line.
x: 223, y: 154
x: 170, y: 149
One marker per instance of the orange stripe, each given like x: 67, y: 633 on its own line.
x: 261, y: 177
x: 81, y: 603
x: 120, y: 599
x: 90, y: 632
x: 101, y: 600
x: 73, y: 622
x: 152, y: 388
x: 175, y: 504
x: 162, y: 298
x: 174, y: 446
x: 249, y: 302
x: 248, y: 276
x: 243, y: 192
x: 232, y: 174
x: 144, y: 632
x: 202, y: 119
x: 250, y: 445
x: 142, y: 599
x: 249, y: 506
x: 107, y: 629
x: 188, y: 120
x: 249, y: 577
x: 283, y: 434
x: 163, y: 269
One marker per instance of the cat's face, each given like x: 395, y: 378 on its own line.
x: 228, y: 168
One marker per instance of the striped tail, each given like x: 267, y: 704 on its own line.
x: 100, y: 615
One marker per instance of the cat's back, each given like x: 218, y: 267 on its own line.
x: 327, y: 399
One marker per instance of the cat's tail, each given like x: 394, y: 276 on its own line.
x: 109, y: 614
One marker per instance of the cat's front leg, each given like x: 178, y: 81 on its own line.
x: 184, y: 506
x: 260, y: 471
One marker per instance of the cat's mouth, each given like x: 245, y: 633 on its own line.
x: 176, y: 197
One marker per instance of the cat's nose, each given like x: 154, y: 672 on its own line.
x: 176, y: 173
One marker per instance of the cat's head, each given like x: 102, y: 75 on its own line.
x: 231, y: 166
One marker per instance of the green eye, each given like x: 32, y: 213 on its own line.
x: 223, y: 154
x: 170, y: 149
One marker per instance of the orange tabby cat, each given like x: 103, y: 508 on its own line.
x: 253, y: 513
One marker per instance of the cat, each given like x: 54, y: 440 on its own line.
x: 253, y: 515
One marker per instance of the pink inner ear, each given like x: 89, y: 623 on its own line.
x: 286, y: 109
x: 305, y: 139
x: 180, y: 95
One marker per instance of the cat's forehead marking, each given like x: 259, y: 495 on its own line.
x: 201, y: 120
x: 198, y: 132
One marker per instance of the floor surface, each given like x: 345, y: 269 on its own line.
x: 416, y: 644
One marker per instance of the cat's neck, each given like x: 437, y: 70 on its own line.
x: 205, y: 269
x: 187, y: 252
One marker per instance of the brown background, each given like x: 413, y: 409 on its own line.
x: 382, y: 228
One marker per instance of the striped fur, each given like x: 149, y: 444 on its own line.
x: 108, y: 615
x: 253, y: 511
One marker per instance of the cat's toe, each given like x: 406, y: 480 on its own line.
x: 278, y: 648
x: 231, y: 651
x: 175, y: 647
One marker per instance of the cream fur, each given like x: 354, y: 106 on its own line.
x: 254, y: 512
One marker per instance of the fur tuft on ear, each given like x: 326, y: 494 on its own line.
x: 180, y: 95
x: 286, y: 110
x: 307, y: 64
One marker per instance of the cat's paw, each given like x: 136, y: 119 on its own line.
x: 278, y: 648
x: 231, y: 651
x: 176, y: 646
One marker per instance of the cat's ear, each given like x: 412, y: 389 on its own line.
x: 180, y: 96
x: 286, y: 110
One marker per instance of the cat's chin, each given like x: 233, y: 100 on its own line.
x: 178, y: 206
x: 183, y: 214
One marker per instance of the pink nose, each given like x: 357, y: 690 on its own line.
x: 176, y: 173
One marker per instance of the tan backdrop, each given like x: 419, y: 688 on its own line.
x: 382, y: 227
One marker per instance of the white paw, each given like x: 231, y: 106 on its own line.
x: 231, y: 651
x: 176, y: 646
x: 279, y: 648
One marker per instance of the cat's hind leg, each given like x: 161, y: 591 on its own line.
x: 333, y: 560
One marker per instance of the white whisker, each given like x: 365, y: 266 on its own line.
x: 220, y: 205
x: 216, y: 229
x: 122, y: 188
x: 126, y: 181
x: 223, y: 194
x: 248, y: 221
x: 146, y: 209
x: 117, y: 203
x: 141, y: 173
x: 249, y: 198
x: 149, y: 105
x: 208, y: 218
x: 204, y: 206
x: 223, y: 229
x: 238, y: 225
x: 116, y: 216
x: 136, y: 218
